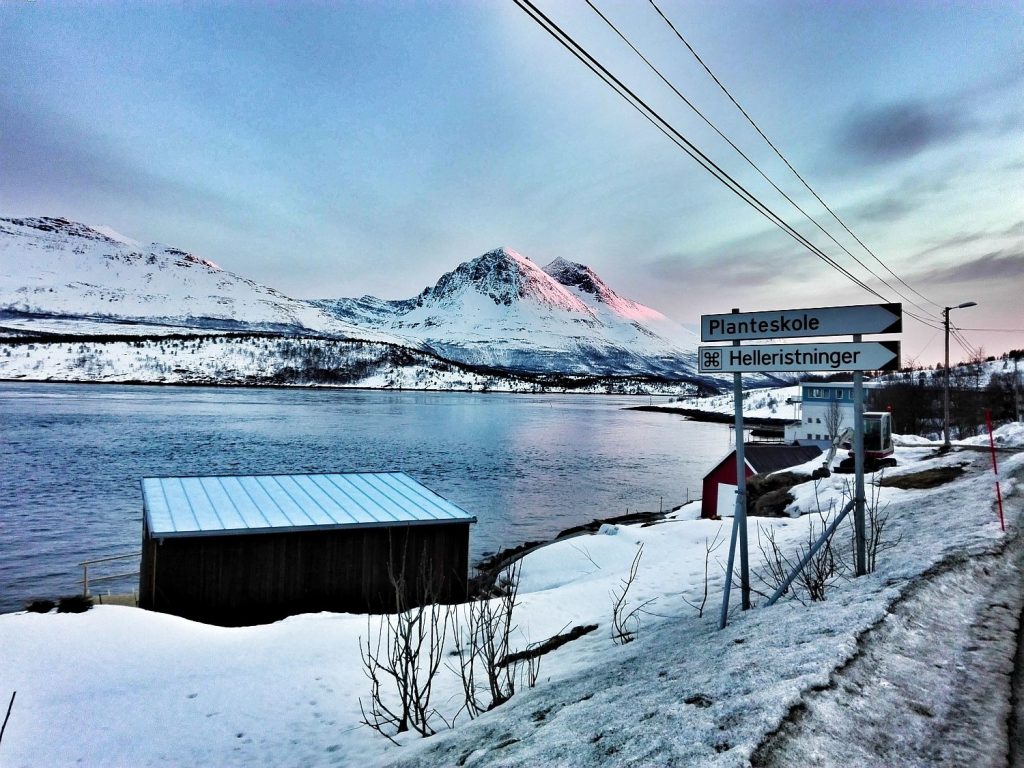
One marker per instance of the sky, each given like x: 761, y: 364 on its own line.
x: 341, y: 149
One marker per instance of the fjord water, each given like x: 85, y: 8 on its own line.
x: 528, y: 466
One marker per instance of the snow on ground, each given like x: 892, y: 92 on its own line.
x: 1010, y: 435
x: 1007, y: 436
x: 119, y: 686
x: 78, y: 327
x: 269, y: 360
x: 769, y: 402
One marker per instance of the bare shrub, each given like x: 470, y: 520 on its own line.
x: 531, y: 673
x: 626, y: 620
x: 821, y: 570
x: 709, y: 547
x: 402, y: 661
x: 876, y: 520
x: 482, y: 645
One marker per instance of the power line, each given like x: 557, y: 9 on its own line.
x: 783, y: 157
x: 995, y: 330
x: 680, y: 140
x: 742, y: 154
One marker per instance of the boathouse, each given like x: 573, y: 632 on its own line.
x: 718, y: 498
x: 240, y: 550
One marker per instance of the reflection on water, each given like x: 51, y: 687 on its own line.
x: 527, y: 466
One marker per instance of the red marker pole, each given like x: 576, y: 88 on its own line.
x: 995, y: 469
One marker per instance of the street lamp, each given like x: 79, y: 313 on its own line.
x: 945, y: 399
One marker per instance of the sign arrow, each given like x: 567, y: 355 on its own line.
x: 796, y: 323
x: 839, y: 356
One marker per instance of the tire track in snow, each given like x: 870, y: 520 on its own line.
x: 930, y: 683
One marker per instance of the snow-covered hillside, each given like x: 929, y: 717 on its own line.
x: 281, y: 361
x: 54, y: 267
x: 501, y: 309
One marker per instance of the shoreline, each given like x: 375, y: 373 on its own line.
x: 695, y: 414
x: 545, y: 389
x: 486, y: 570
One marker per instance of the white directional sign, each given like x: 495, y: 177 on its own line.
x: 839, y: 356
x: 794, y: 323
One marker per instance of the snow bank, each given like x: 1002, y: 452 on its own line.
x: 765, y: 403
x: 119, y: 686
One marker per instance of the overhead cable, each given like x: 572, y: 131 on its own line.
x: 750, y: 162
x: 783, y: 157
x: 681, y: 141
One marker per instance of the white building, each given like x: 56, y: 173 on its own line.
x: 826, y: 409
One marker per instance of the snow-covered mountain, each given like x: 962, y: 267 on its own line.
x: 502, y: 310
x: 56, y: 267
x: 497, y: 311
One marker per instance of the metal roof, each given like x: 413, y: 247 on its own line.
x: 772, y: 458
x: 233, y: 504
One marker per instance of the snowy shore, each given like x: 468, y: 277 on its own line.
x: 119, y: 686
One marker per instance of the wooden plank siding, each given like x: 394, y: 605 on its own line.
x: 237, y: 580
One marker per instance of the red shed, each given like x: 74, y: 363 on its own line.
x: 719, y: 494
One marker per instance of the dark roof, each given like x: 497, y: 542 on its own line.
x: 772, y: 458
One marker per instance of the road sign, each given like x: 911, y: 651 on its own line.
x: 794, y: 323
x: 838, y: 356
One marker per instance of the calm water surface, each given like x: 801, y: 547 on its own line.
x: 527, y: 466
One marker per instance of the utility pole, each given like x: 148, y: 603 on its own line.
x: 1016, y: 389
x: 945, y: 397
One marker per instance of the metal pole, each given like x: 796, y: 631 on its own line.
x: 1016, y: 389
x: 945, y: 388
x: 858, y: 468
x: 810, y: 553
x: 741, y: 487
x: 724, y: 617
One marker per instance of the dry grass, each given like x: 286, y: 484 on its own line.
x: 929, y: 478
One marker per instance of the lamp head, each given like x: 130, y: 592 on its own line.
x: 967, y: 304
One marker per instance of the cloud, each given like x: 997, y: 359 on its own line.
x: 886, y: 209
x: 1002, y: 265
x: 48, y: 155
x: 958, y: 240
x: 900, y: 130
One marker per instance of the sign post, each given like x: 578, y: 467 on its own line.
x: 856, y: 356
x: 858, y: 467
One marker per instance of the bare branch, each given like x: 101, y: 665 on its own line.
x: 626, y: 623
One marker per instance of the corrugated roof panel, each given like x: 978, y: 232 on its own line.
x: 254, y: 503
x: 383, y: 504
x: 362, y: 508
x: 417, y: 500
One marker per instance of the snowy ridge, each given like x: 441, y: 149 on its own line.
x: 58, y: 267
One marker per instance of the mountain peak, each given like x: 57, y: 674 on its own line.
x: 506, y: 277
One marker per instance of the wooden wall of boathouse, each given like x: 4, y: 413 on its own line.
x: 254, y: 578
